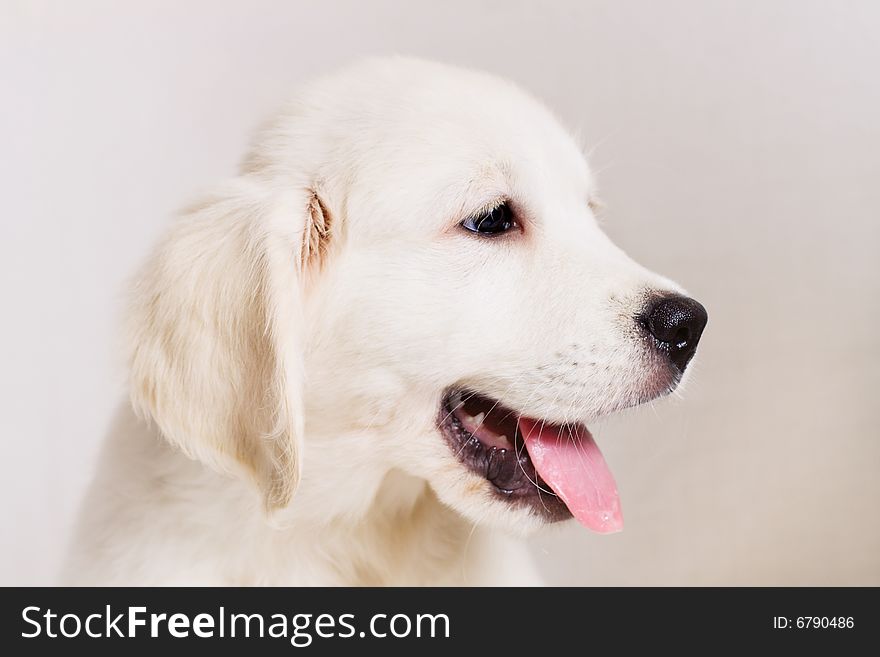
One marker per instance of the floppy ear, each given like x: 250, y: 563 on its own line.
x: 215, y: 332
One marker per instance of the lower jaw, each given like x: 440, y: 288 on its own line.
x: 509, y: 472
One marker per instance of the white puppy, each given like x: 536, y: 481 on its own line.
x: 370, y: 358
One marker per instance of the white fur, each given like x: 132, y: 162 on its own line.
x: 296, y: 330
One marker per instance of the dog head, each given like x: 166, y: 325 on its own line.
x: 407, y: 276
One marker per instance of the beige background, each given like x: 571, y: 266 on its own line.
x: 739, y: 153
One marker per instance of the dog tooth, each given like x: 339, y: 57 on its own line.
x: 479, y: 417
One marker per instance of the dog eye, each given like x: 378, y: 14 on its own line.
x: 492, y: 222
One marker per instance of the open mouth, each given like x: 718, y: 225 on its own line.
x: 556, y: 470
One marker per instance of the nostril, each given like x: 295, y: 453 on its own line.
x: 676, y: 323
x: 682, y: 336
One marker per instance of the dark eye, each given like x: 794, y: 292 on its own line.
x: 492, y: 222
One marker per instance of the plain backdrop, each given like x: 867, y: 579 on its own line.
x: 738, y: 152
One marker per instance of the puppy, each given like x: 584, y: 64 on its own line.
x: 371, y: 358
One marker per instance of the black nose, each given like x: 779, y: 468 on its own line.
x: 676, y: 323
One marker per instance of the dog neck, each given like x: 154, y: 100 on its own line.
x: 391, y: 532
x: 344, y: 526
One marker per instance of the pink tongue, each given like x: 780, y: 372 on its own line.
x: 569, y: 460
